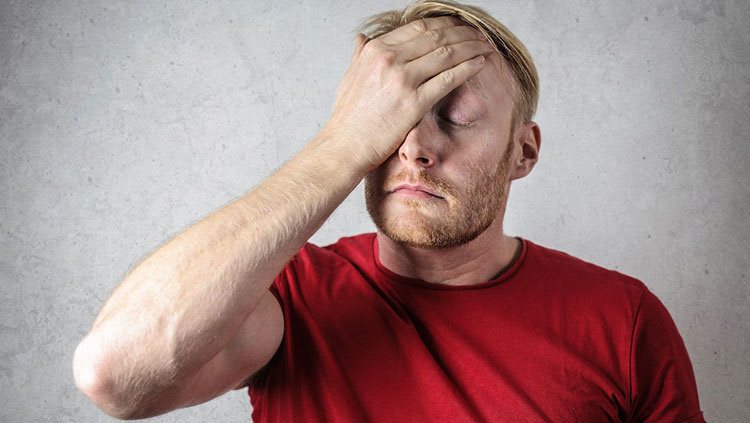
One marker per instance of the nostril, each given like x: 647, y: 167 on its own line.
x: 423, y: 160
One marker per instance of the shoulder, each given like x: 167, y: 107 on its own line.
x: 318, y: 276
x: 313, y: 262
x: 551, y: 261
x: 352, y: 246
x: 569, y: 275
x: 346, y: 249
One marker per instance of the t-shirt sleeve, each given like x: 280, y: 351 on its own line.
x: 279, y: 288
x: 283, y: 284
x: 663, y: 387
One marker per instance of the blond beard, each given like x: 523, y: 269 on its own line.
x: 468, y: 215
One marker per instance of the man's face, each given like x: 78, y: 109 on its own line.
x: 447, y: 182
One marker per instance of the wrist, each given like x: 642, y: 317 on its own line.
x: 342, y: 151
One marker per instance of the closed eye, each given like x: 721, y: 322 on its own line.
x: 451, y: 122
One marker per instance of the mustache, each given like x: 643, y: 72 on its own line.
x: 437, y: 185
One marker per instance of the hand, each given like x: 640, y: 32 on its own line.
x: 395, y: 79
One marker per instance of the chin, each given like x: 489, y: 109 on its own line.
x: 427, y: 238
x: 428, y: 224
x: 416, y: 229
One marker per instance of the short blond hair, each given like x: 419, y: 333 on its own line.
x: 506, y: 44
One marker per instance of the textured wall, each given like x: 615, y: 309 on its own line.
x: 122, y: 123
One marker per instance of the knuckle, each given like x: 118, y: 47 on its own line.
x: 443, y: 52
x: 419, y: 25
x: 386, y: 58
x: 446, y: 79
x: 371, y: 46
x: 435, y: 36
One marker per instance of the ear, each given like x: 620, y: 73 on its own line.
x: 528, y: 140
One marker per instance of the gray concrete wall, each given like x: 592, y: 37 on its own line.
x: 123, y: 122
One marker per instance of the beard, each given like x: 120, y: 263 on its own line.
x: 434, y: 223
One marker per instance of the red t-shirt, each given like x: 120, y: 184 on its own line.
x: 552, y: 339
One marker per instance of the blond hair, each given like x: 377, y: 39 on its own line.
x: 506, y: 44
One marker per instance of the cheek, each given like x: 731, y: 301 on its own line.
x: 477, y: 178
x: 469, y: 171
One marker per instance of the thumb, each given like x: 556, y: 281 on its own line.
x: 359, y: 42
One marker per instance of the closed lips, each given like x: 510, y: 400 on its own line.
x: 415, y: 188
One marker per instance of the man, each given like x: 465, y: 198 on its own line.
x: 437, y: 317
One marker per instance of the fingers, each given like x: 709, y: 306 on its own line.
x: 444, y: 58
x: 443, y: 83
x: 434, y: 38
x: 414, y: 29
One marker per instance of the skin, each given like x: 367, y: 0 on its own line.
x: 460, y: 156
x: 194, y: 318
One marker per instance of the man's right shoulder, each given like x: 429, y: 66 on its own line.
x: 354, y: 250
x: 355, y: 242
x: 349, y: 247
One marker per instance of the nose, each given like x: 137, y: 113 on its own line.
x: 421, y: 146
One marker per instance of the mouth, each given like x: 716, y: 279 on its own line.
x: 414, y: 191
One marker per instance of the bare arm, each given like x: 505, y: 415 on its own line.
x: 178, y: 308
x: 195, y: 317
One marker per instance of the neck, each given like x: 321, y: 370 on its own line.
x: 477, y: 261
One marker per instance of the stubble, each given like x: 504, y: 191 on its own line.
x: 461, y: 218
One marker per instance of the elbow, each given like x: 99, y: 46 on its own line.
x: 94, y: 376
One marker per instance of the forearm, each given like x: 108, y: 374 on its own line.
x: 176, y: 309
